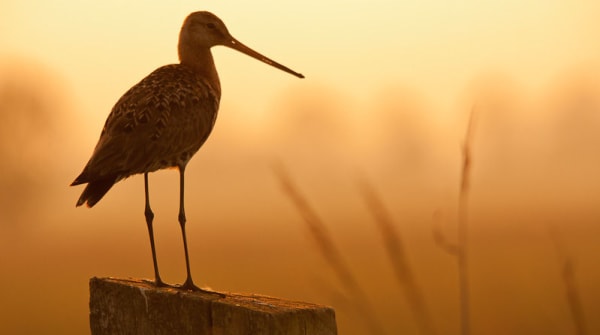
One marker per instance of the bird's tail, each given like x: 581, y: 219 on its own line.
x: 95, y: 190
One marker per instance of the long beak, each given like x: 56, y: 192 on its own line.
x: 237, y: 45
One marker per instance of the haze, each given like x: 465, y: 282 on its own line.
x: 389, y: 87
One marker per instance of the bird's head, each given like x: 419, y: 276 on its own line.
x: 205, y: 30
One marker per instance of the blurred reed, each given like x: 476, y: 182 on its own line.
x: 460, y: 249
x: 463, y: 234
x: 569, y: 280
x: 329, y: 251
x: 398, y: 257
x: 439, y: 238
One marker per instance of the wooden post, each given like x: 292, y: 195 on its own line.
x: 133, y: 306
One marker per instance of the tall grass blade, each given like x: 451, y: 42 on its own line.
x: 398, y: 257
x: 328, y: 250
x: 463, y: 236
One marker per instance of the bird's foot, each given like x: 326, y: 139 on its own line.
x: 190, y: 286
x: 159, y: 283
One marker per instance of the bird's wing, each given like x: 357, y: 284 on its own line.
x: 164, y: 118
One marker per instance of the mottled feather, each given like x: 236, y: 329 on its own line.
x: 159, y: 123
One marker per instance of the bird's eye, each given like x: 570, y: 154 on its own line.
x: 211, y: 25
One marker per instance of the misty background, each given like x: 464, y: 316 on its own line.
x: 387, y: 98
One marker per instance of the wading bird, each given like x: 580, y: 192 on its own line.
x: 162, y: 121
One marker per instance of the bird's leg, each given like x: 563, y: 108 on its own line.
x: 149, y: 218
x: 189, y: 284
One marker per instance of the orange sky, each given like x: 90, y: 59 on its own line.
x: 358, y: 47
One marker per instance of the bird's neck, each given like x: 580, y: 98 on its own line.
x: 201, y: 62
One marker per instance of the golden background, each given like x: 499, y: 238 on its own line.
x: 388, y: 90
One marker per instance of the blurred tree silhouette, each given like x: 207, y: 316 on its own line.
x: 29, y: 108
x: 576, y: 102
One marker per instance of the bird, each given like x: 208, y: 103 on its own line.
x: 163, y: 120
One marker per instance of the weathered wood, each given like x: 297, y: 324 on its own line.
x: 133, y: 306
